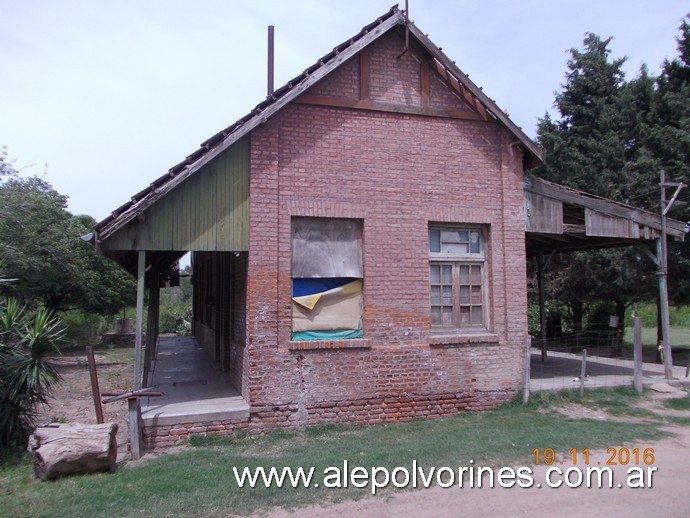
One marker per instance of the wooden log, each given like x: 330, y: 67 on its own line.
x: 67, y: 449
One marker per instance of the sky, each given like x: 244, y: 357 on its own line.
x: 101, y: 97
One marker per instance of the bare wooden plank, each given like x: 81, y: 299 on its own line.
x: 364, y: 75
x: 380, y: 106
x: 542, y: 214
x: 603, y: 225
x: 425, y: 85
x: 602, y: 205
x: 573, y: 229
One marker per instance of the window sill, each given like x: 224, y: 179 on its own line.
x: 462, y: 339
x: 307, y: 345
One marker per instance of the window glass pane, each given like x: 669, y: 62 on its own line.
x: 464, y: 294
x: 435, y: 316
x: 447, y: 274
x: 463, y: 236
x: 435, y: 274
x: 454, y: 248
x: 475, y: 242
x: 448, y: 295
x: 476, y: 294
x: 465, y: 316
x: 447, y: 316
x: 476, y: 315
x: 476, y: 275
x: 464, y: 274
x: 434, y: 240
x: 435, y: 294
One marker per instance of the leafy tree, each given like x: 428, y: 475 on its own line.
x: 40, y: 246
x: 585, y: 149
x: 668, y: 141
x: 598, y: 146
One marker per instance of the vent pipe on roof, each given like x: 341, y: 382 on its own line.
x: 270, y: 60
x: 407, y: 30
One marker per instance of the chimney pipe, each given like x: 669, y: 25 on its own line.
x: 270, y: 60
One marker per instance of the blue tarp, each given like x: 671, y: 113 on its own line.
x: 302, y: 287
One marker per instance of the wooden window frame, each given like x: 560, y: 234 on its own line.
x: 453, y: 262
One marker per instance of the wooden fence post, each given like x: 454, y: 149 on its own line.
x: 637, y: 354
x: 583, y: 372
x: 528, y: 359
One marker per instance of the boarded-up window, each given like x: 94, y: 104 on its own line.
x: 327, y: 278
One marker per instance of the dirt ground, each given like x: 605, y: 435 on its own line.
x: 72, y: 402
x: 667, y: 496
x: 72, y: 399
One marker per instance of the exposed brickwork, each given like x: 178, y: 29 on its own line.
x: 345, y: 84
x: 393, y: 77
x: 174, y: 435
x: 362, y: 410
x: 397, y: 173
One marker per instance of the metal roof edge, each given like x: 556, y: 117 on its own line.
x: 287, y: 93
x: 489, y: 103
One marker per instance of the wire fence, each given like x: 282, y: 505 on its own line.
x: 596, y: 358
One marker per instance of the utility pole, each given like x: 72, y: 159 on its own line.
x: 662, y: 258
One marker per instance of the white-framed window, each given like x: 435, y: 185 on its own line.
x: 458, y: 278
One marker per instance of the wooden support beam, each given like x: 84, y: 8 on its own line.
x: 339, y: 102
x: 364, y: 75
x: 134, y: 407
x: 151, y: 329
x: 425, y: 83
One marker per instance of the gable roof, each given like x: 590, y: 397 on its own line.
x: 222, y: 140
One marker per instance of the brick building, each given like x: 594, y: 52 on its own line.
x: 358, y: 242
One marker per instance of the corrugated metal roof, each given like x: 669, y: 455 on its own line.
x: 210, y: 148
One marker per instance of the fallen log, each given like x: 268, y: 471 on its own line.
x: 68, y: 449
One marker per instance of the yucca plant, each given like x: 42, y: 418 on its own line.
x: 26, y: 379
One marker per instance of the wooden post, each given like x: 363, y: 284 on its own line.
x: 637, y: 354
x: 134, y: 411
x: 528, y: 360
x: 134, y: 430
x: 662, y: 252
x: 139, y: 331
x: 583, y: 372
x: 151, y: 330
x: 95, y: 390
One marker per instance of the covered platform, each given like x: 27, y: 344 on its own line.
x: 193, y: 389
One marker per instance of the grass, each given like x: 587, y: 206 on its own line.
x: 678, y: 403
x: 199, y: 481
x: 680, y: 336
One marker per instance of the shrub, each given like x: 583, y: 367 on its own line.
x: 25, y: 378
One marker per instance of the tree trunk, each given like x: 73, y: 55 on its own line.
x: 67, y: 449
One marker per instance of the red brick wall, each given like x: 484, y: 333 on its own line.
x: 397, y: 173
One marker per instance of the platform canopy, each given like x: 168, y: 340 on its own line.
x: 565, y: 219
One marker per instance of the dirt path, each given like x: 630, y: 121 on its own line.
x: 72, y: 400
x: 667, y: 497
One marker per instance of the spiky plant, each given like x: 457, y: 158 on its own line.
x: 26, y: 379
